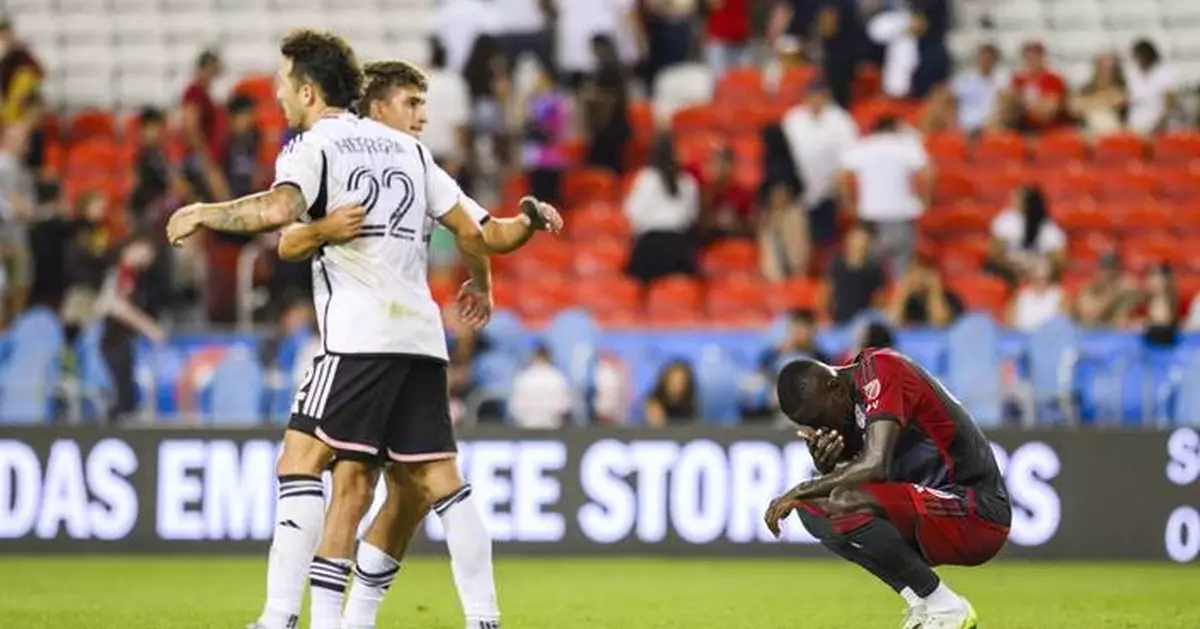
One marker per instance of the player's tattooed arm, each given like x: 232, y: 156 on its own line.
x: 250, y: 214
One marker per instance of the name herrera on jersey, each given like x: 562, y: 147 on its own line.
x: 371, y: 146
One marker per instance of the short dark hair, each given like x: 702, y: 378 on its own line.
x: 327, y: 61
x: 380, y: 77
x: 437, y: 53
x: 1145, y: 49
x: 865, y: 227
x: 878, y: 334
x: 801, y: 382
x: 151, y: 115
x: 241, y: 103
x: 207, y: 57
x: 802, y: 315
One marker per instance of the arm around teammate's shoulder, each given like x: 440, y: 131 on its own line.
x: 300, y: 240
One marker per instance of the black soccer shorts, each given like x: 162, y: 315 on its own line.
x: 377, y: 408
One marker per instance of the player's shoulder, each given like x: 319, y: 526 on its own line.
x: 878, y: 364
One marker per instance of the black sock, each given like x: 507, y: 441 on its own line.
x: 822, y: 528
x: 880, y: 542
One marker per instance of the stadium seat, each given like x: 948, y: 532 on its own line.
x: 609, y: 297
x: 995, y: 184
x: 1186, y: 410
x: 237, y: 390
x: 1052, y: 349
x: 963, y: 255
x: 582, y: 186
x: 794, y: 83
x: 730, y: 256
x: 681, y: 86
x: 795, y: 292
x: 740, y: 84
x: 673, y: 294
x: 1177, y: 181
x: 953, y: 186
x: 543, y: 297
x: 1189, y: 245
x: 30, y: 371
x: 1000, y: 147
x: 947, y: 148
x: 738, y: 297
x: 603, y: 257
x: 1081, y: 217
x: 598, y: 221
x: 963, y: 216
x: 981, y: 292
x: 571, y: 339
x: 1140, y: 216
x: 1058, y: 147
x: 93, y: 124
x: 1068, y: 184
x: 695, y: 148
x: 693, y: 119
x: 1085, y: 247
x: 542, y: 256
x: 1127, y: 182
x: 641, y: 118
x: 1177, y: 146
x: 1143, y: 252
x: 1119, y: 148
x: 973, y: 362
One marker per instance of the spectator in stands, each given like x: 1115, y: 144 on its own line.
x: 448, y: 134
x: 1153, y: 90
x: 921, y: 298
x: 1109, y: 299
x: 20, y: 74
x: 673, y: 400
x: 541, y: 394
x: 605, y: 101
x: 124, y: 299
x: 33, y: 119
x: 728, y: 26
x: 241, y: 151
x: 840, y: 38
x: 800, y: 338
x: 86, y: 260
x: 202, y: 132
x: 18, y: 205
x: 932, y: 21
x: 1193, y: 317
x: 871, y: 334
x: 155, y: 179
x: 887, y: 179
x: 940, y: 112
x: 670, y: 31
x: 49, y: 237
x: 1039, y: 299
x: 490, y: 90
x: 1160, y: 301
x: 525, y: 29
x: 1101, y: 105
x: 663, y: 207
x: 784, y: 243
x: 894, y: 28
x: 546, y: 125
x: 978, y: 88
x: 856, y: 281
x: 787, y: 54
x: 726, y: 204
x: 581, y: 22
x: 1023, y: 233
x: 459, y: 24
x: 1037, y: 99
x: 819, y: 133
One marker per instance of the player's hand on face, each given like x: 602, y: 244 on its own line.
x: 183, y: 223
x: 825, y: 445
x: 343, y: 224
x: 474, y: 305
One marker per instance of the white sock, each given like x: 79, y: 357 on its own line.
x: 327, y: 580
x: 943, y: 599
x: 911, y: 598
x: 374, y: 571
x: 299, y: 517
x: 470, y: 558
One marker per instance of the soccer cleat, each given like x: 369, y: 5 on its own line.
x: 962, y: 618
x: 531, y: 207
x: 914, y: 618
x: 292, y: 622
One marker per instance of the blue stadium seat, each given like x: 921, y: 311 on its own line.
x: 973, y: 360
x: 927, y: 347
x: 236, y: 391
x: 717, y: 387
x: 506, y: 333
x: 29, y: 376
x: 495, y: 371
x: 571, y: 339
x: 93, y: 371
x: 1053, y: 350
x: 1186, y: 402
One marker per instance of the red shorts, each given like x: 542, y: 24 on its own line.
x: 943, y: 525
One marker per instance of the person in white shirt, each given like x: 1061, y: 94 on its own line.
x: 384, y: 346
x: 978, y: 88
x: 1153, y: 90
x: 541, y: 395
x: 459, y: 23
x: 1024, y: 232
x: 448, y: 135
x: 580, y: 21
x: 394, y: 94
x: 524, y: 27
x: 877, y: 181
x: 663, y: 206
x: 819, y: 132
x: 1038, y: 300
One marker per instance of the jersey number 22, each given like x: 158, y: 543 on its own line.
x: 398, y: 191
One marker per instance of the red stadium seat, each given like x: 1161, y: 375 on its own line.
x: 602, y: 257
x: 738, y: 116
x: 608, y: 296
x: 794, y: 83
x: 1188, y: 286
x: 93, y: 125
x: 694, y: 149
x: 1058, y: 147
x: 1084, y: 248
x: 963, y: 255
x: 258, y: 87
x: 589, y: 184
x: 995, y: 185
x: 1000, y: 147
x: 1069, y: 184
x: 544, y: 255
x: 542, y: 297
x: 641, y: 118
x: 1139, y: 216
x: 1187, y: 218
x: 981, y: 292
x: 673, y: 294
x: 1120, y: 148
x: 1143, y: 252
x: 953, y: 186
x: 1082, y: 217
x: 693, y: 119
x: 730, y: 256
x: 1127, y: 182
x: 1179, y: 181
x: 949, y: 147
x: 597, y: 221
x: 95, y: 156
x: 737, y: 297
x: 1177, y: 146
x: 747, y: 147
x: 964, y: 216
x: 740, y: 84
x: 796, y: 292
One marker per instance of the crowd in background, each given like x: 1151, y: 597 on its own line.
x: 516, y: 84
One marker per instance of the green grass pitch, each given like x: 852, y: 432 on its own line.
x: 225, y: 593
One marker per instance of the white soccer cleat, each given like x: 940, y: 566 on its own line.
x: 961, y: 618
x: 914, y: 618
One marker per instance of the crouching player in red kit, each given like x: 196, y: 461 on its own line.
x: 907, y: 480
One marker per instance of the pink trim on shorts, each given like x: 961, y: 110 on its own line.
x: 345, y: 445
x: 417, y: 458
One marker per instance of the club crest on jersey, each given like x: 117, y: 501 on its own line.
x: 871, y: 389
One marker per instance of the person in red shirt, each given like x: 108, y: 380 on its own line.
x: 201, y: 130
x: 728, y: 35
x: 907, y: 479
x: 1039, y: 94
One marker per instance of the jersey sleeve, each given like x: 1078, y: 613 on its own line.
x: 472, y: 207
x: 301, y: 164
x: 881, y: 383
x: 441, y: 191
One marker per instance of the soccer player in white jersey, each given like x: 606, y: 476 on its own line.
x: 394, y: 94
x: 379, y: 388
